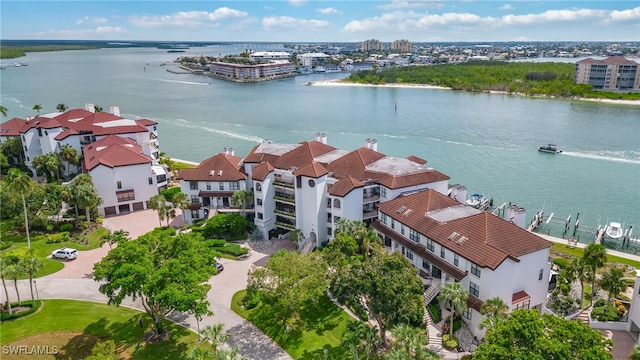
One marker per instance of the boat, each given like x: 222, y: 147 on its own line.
x: 477, y: 201
x: 614, y: 230
x: 550, y: 148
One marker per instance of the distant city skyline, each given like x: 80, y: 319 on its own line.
x: 322, y: 21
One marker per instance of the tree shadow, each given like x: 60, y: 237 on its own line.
x: 78, y: 347
x: 253, y: 343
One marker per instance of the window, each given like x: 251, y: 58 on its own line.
x: 208, y: 186
x: 540, y: 274
x: 430, y: 246
x: 442, y: 253
x: 523, y: 305
x: 221, y: 186
x: 39, y: 132
x: 194, y: 199
x: 456, y: 259
x: 234, y: 186
x: 426, y: 265
x: 383, y: 192
x: 23, y: 139
x: 336, y: 219
x: 259, y: 202
x: 260, y: 216
x: 195, y: 214
x: 46, y: 133
x: 402, y: 229
x: 193, y: 185
x: 336, y: 203
x: 474, y: 289
x: 409, y: 255
x: 258, y: 186
x: 150, y: 180
x: 467, y: 314
x: 475, y: 269
x: 312, y: 183
x: 119, y: 184
x: 25, y: 148
x: 383, y: 218
x: 413, y: 235
x: 329, y: 231
x: 328, y: 203
x: 129, y: 196
x: 393, y: 224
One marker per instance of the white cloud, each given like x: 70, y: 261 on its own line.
x: 329, y: 11
x: 290, y: 23
x: 403, y: 4
x: 625, y: 15
x: 192, y: 19
x: 92, y: 20
x: 267, y: 7
x: 407, y: 21
x: 297, y: 2
x: 506, y: 7
x: 104, y: 32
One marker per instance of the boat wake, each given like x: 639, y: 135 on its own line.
x: 601, y: 157
x: 184, y: 82
x: 250, y: 138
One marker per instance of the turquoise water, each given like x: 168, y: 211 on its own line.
x: 486, y: 142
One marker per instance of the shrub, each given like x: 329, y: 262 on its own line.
x: 4, y: 316
x: 434, y: 311
x: 561, y: 262
x: 449, y: 343
x: 169, y: 193
x: 234, y: 249
x: 599, y: 303
x: 604, y: 313
x: 5, y: 245
x: 214, y: 243
x: 466, y: 357
x: 66, y: 227
x: 251, y: 299
x: 53, y: 239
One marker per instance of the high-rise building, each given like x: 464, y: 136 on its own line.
x: 401, y: 46
x: 371, y: 44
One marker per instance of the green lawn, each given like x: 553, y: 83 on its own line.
x: 105, y: 322
x: 579, y: 252
x: 42, y: 249
x: 324, y: 327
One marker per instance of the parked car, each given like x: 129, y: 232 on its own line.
x: 64, y: 253
x: 219, y: 267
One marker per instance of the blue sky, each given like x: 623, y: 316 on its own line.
x: 322, y: 21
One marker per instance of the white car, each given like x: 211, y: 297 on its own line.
x: 64, y: 253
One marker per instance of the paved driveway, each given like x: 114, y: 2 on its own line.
x: 75, y: 281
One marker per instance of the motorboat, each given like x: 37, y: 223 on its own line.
x: 550, y: 148
x: 614, y: 230
x: 477, y: 201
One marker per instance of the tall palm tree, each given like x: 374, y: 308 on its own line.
x: 241, y: 198
x: 4, y: 268
x: 410, y: 340
x: 3, y: 110
x: 14, y: 270
x: 455, y: 296
x: 69, y: 155
x: 31, y: 265
x: 37, y: 108
x: 595, y: 257
x: 367, y: 239
x: 159, y: 203
x: 494, y: 311
x: 180, y: 201
x: 20, y: 183
x: 613, y: 283
x: 215, y: 334
x: 581, y: 274
x: 52, y: 165
x: 62, y: 107
x: 87, y: 198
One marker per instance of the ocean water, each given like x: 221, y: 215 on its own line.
x: 486, y: 142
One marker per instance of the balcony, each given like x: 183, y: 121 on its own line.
x: 285, y: 225
x: 284, y: 184
x: 369, y: 198
x: 288, y: 200
x: 369, y: 214
x: 125, y: 195
x: 288, y: 214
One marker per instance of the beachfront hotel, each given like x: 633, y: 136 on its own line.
x: 612, y: 73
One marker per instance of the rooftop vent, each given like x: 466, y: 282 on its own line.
x: 401, y: 209
x: 461, y: 240
x: 219, y: 172
x: 406, y: 213
x: 212, y: 172
x: 453, y: 235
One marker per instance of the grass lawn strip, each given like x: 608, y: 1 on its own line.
x: 92, y: 319
x: 323, y: 328
x: 78, y: 346
x: 579, y: 252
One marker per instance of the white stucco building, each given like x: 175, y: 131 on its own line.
x: 449, y: 241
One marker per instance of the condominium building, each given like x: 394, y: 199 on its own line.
x: 266, y: 56
x: 612, y: 73
x: 312, y: 59
x: 403, y: 46
x: 310, y: 186
x: 371, y: 44
x: 448, y: 241
x: 252, y: 73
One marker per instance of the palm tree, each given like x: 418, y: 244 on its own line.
x: 69, y: 155
x: 241, y: 198
x: 4, y: 268
x: 231, y: 354
x: 635, y: 353
x: 52, y: 165
x: 180, y: 201
x: 410, y: 340
x: 455, y: 296
x: 3, y: 110
x: 198, y: 353
x: 579, y: 269
x: 613, y: 283
x: 20, y: 183
x: 494, y: 311
x: 215, y: 334
x: 97, y: 108
x: 114, y: 238
x: 595, y: 257
x: 13, y: 271
x: 159, y: 203
x: 40, y: 164
x: 37, y: 108
x: 13, y: 149
x: 31, y: 266
x: 61, y: 107
x: 367, y: 239
x: 87, y: 197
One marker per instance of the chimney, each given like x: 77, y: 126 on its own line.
x: 231, y: 152
x: 367, y: 143
x: 321, y: 137
x: 90, y: 107
x: 115, y: 110
x: 225, y: 151
x: 374, y: 145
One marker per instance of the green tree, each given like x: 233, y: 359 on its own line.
x: 114, y: 237
x: 3, y: 110
x: 613, y: 283
x: 37, y: 108
x: 12, y: 148
x: 494, y: 311
x: 97, y: 108
x: 160, y: 204
x: 85, y: 194
x: 581, y: 273
x: 386, y: 287
x: 455, y: 297
x: 199, y: 353
x: 14, y: 271
x: 635, y: 353
x: 62, y: 107
x: 360, y: 338
x: 595, y: 257
x: 241, y: 198
x: 167, y: 273
x: 104, y: 350
x: 215, y: 335
x: 527, y: 334
x: 32, y: 264
x: 5, y: 269
x: 288, y: 282
x: 70, y: 156
x: 411, y: 341
x: 179, y: 201
x: 20, y: 183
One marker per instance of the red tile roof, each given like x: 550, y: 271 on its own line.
x: 519, y: 296
x: 220, y: 167
x: 113, y: 151
x: 344, y: 186
x: 611, y: 60
x: 12, y: 127
x: 302, y: 155
x: 261, y: 171
x: 416, y: 159
x: 313, y: 170
x: 354, y: 163
x: 489, y: 240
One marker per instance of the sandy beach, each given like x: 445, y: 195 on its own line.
x: 340, y: 82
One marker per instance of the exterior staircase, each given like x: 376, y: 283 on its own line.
x: 434, y: 334
x: 431, y: 292
x: 583, y: 316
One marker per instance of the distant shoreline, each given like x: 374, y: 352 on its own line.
x: 340, y: 82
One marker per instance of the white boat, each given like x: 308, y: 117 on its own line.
x: 550, y: 148
x: 614, y: 230
x: 477, y: 201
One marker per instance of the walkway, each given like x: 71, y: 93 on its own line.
x: 76, y: 282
